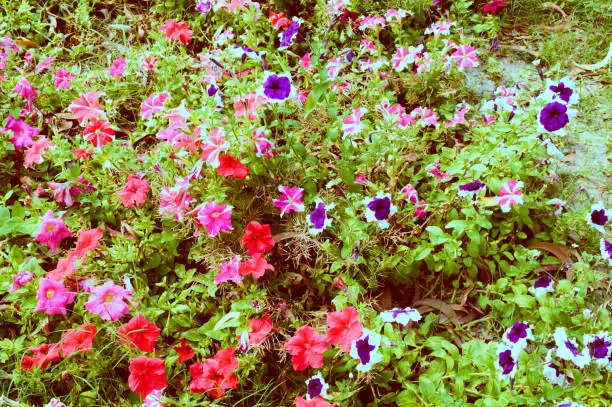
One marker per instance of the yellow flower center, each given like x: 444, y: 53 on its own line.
x: 50, y: 293
x: 50, y: 227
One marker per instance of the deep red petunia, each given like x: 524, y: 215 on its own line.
x: 44, y: 354
x: 184, y: 351
x: 344, y: 327
x: 231, y: 167
x: 78, y: 339
x: 316, y: 402
x: 260, y: 328
x: 139, y: 333
x: 257, y: 238
x: 215, y: 374
x: 146, y: 375
x: 178, y: 31
x: 494, y: 7
x: 307, y: 348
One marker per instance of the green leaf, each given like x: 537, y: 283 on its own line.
x: 229, y: 320
x: 436, y: 235
x: 427, y: 387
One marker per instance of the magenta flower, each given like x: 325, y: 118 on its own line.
x: 215, y: 218
x: 352, y: 124
x: 229, y: 272
x: 108, y: 301
x: 34, y: 154
x: 52, y: 231
x: 465, y: 57
x: 22, y: 132
x: 63, y: 78
x: 53, y: 297
x: 20, y: 279
x: 25, y: 89
x: 117, y: 67
x: 290, y: 200
x: 153, y: 104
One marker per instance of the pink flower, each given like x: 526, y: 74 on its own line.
x: 20, y: 279
x: 22, y: 132
x: 153, y: 104
x: 215, y: 218
x: 99, y: 132
x: 465, y: 57
x: 403, y: 57
x: 135, y: 192
x: 177, y: 31
x: 25, y: 89
x: 44, y: 65
x: 176, y: 200
x: 213, y: 146
x: 88, y: 241
x: 352, y: 124
x: 425, y: 116
x: 53, y: 297
x: 229, y: 272
x: 33, y: 155
x: 52, y: 231
x: 306, y: 61
x: 86, y: 107
x: 290, y: 200
x: 509, y: 195
x: 411, y: 193
x: 63, y: 78
x: 148, y: 63
x: 108, y: 301
x: 247, y: 106
x: 61, y: 192
x: 117, y: 67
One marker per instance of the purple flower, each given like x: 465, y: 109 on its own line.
x: 568, y: 349
x: 542, y: 285
x: 20, y: 279
x: 365, y: 349
x: 551, y: 371
x: 600, y: 347
x: 563, y: 91
x: 316, y: 387
x: 318, y: 219
x: 286, y: 38
x: 401, y: 316
x: 378, y: 209
x: 507, y: 361
x: 554, y: 116
x: 598, y: 217
x: 518, y: 334
x: 471, y: 188
x: 277, y: 87
x: 203, y: 6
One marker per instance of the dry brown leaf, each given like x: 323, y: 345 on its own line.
x: 441, y: 306
x: 284, y: 235
x: 560, y: 252
x: 565, y: 22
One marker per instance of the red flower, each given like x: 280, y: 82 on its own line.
x: 81, y: 339
x: 139, y: 333
x: 176, y: 31
x: 146, y: 375
x: 43, y: 355
x: 88, y: 241
x: 215, y: 374
x: 493, y: 7
x: 316, y: 402
x: 230, y: 167
x: 256, y: 267
x: 82, y: 153
x: 65, y: 268
x: 260, y: 328
x: 184, y: 350
x: 307, y: 348
x: 257, y: 238
x: 99, y: 132
x: 343, y: 328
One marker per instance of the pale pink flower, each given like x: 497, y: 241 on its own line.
x: 352, y: 124
x: 176, y: 200
x: 63, y: 78
x: 44, y: 65
x: 423, y: 62
x: 306, y: 61
x: 334, y: 66
x: 411, y: 193
x: 459, y: 117
x: 371, y: 22
x: 465, y: 57
x: 247, y: 106
x: 117, y: 67
x: 229, y: 272
x: 153, y: 104
x: 52, y: 231
x: 86, y: 107
x: 425, y: 116
x: 53, y: 297
x: 20, y: 279
x: 214, y: 217
x: 33, y: 155
x: 440, y: 28
x: 290, y: 200
x: 509, y: 195
x: 148, y: 63
x: 403, y: 57
x: 61, y: 192
x: 108, y: 301
x: 213, y: 146
x: 178, y: 116
x: 22, y: 132
x: 367, y: 45
x: 135, y: 191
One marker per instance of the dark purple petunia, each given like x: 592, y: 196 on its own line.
x: 318, y: 216
x: 289, y: 34
x: 364, y: 349
x: 599, y: 347
x: 518, y: 331
x: 398, y: 311
x: 471, y: 188
x: 204, y: 7
x: 563, y: 91
x: 607, y: 248
x: 212, y: 90
x: 381, y: 207
x: 554, y: 116
x: 599, y: 217
x: 277, y: 87
x: 314, y: 387
x: 542, y: 282
x: 506, y: 361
